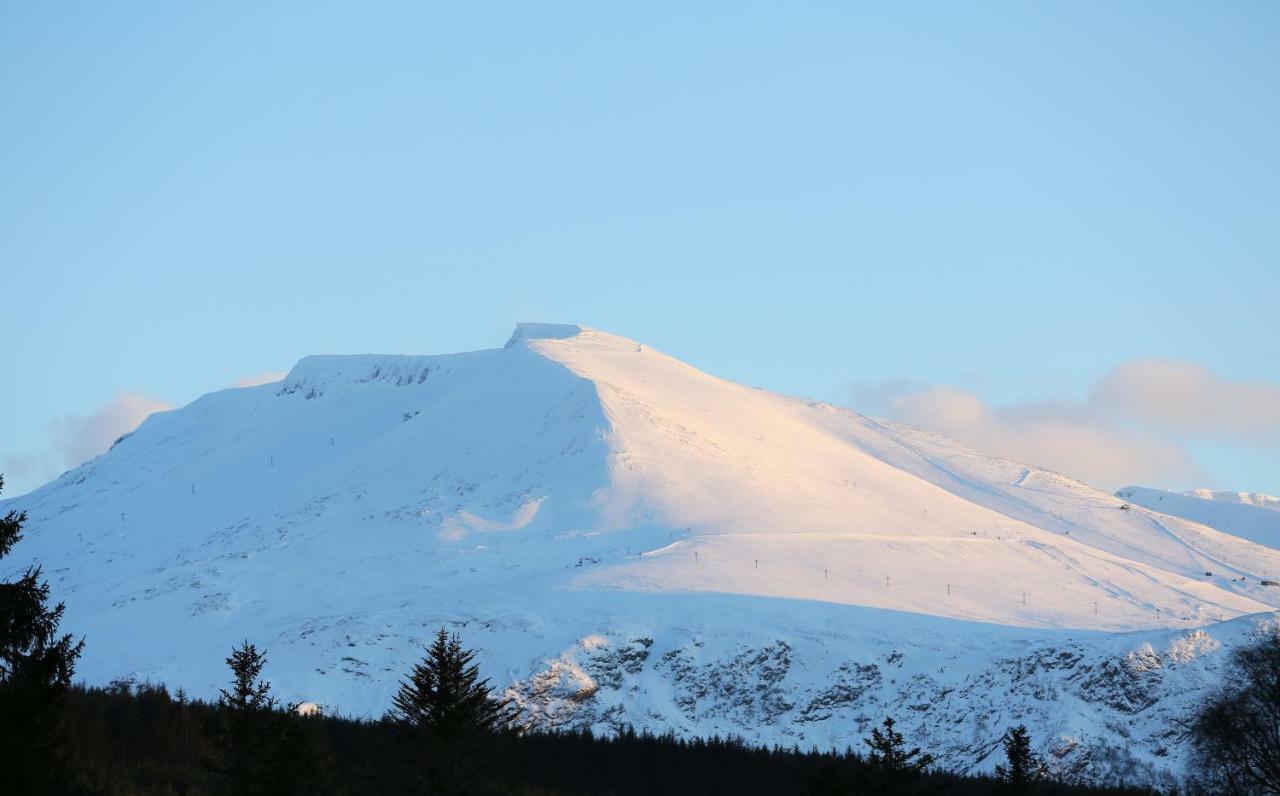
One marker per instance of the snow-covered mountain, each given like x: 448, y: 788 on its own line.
x: 630, y: 540
x: 1258, y: 499
x: 1249, y: 515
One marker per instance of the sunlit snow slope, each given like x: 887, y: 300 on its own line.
x: 576, y: 491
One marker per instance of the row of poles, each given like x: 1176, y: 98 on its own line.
x: 826, y: 572
x: 271, y: 462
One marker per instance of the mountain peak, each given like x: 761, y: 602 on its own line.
x: 578, y: 486
x: 543, y: 331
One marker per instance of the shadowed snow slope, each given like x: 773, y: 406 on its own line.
x: 1248, y: 515
x: 630, y: 541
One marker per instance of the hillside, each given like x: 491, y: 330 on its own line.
x: 1251, y: 516
x: 630, y: 540
x: 1257, y: 499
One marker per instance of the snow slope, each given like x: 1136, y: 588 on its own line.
x: 1246, y: 498
x: 630, y: 540
x: 1248, y: 515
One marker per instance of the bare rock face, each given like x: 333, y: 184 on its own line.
x: 1134, y: 698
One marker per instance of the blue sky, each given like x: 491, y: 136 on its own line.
x: 885, y: 205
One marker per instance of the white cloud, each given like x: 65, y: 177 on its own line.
x: 1186, y: 398
x: 1133, y: 427
x: 75, y: 439
x: 1061, y: 437
x: 268, y: 377
x: 78, y: 438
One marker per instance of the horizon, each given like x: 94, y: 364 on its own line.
x: 1049, y: 233
x: 138, y: 406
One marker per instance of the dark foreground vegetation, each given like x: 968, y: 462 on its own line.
x: 146, y: 740
x: 447, y: 733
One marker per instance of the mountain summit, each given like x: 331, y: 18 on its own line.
x: 630, y: 540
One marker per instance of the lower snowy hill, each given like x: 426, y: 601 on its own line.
x: 1248, y: 515
x: 631, y: 541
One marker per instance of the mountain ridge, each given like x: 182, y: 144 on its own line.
x: 612, y: 526
x: 1259, y: 499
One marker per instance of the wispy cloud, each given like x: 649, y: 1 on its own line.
x: 1186, y: 398
x: 79, y: 438
x: 267, y: 377
x: 1133, y: 427
x: 75, y: 439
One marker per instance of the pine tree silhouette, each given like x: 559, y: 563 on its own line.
x: 450, y: 717
x: 300, y: 761
x: 36, y: 665
x: 891, y: 759
x: 242, y: 737
x: 1023, y: 768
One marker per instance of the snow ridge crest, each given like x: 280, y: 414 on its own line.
x: 543, y: 331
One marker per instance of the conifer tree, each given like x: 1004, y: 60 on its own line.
x: 890, y: 756
x: 300, y: 761
x: 36, y: 665
x: 1023, y: 767
x: 831, y: 777
x: 242, y: 737
x: 450, y: 716
x: 1235, y: 733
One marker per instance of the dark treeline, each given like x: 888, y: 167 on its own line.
x: 145, y: 740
